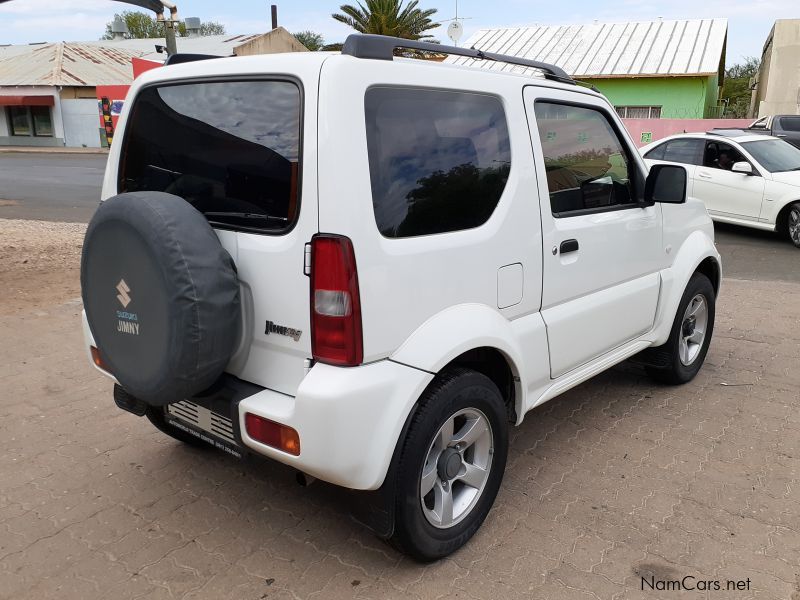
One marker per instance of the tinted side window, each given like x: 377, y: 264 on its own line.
x: 438, y: 160
x: 685, y: 151
x: 586, y: 164
x: 230, y: 148
x: 657, y: 153
x: 722, y: 156
x: 790, y: 123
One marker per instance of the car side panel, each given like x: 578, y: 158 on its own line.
x: 522, y: 341
x: 776, y: 196
x: 405, y: 282
x: 689, y: 237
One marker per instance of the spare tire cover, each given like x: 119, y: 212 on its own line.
x: 161, y: 296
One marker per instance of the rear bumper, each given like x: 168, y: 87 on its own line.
x: 348, y: 419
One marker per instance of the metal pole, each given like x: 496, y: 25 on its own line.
x: 169, y: 35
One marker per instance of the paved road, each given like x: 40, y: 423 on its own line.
x: 50, y: 187
x: 759, y: 255
x: 618, y: 480
x: 67, y: 188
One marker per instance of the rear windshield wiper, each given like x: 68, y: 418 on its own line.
x: 245, y: 215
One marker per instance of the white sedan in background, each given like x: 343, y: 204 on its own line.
x: 744, y: 179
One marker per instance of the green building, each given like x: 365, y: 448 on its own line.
x: 649, y: 69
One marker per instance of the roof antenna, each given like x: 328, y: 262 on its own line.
x: 455, y: 30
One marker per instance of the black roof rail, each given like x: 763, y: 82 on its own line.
x: 176, y: 59
x: 382, y: 47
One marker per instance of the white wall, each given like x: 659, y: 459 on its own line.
x: 81, y: 123
x: 779, y: 78
x: 55, y: 111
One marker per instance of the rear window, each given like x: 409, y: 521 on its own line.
x: 656, y: 153
x: 230, y: 148
x: 438, y: 160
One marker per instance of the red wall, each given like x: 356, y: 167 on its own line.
x: 116, y: 93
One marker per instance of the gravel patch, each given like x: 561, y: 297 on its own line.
x: 38, y: 245
x: 39, y: 263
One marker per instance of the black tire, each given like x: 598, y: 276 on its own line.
x: 453, y: 391
x: 666, y: 365
x: 791, y: 224
x: 156, y: 416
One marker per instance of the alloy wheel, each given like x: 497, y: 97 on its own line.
x: 794, y: 225
x: 693, y: 329
x: 456, y: 468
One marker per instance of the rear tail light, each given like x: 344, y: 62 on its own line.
x: 335, y: 303
x: 272, y: 434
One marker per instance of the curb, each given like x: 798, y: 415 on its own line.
x: 50, y: 150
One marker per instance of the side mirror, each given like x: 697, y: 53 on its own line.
x: 742, y: 167
x: 666, y: 184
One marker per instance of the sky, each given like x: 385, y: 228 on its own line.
x: 749, y: 23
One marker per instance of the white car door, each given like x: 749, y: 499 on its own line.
x: 724, y: 192
x: 602, y: 250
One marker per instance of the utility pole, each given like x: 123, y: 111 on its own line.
x: 170, y: 23
x: 169, y: 36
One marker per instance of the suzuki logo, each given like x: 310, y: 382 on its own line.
x: 123, y: 296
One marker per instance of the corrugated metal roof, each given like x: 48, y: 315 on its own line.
x: 640, y: 49
x: 65, y: 63
x: 217, y: 45
x: 8, y: 50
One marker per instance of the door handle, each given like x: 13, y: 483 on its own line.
x: 569, y: 246
x: 704, y: 175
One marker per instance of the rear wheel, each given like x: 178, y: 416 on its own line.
x: 451, y: 464
x: 680, y: 359
x: 792, y: 228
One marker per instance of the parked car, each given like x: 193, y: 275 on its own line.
x: 742, y: 178
x: 786, y: 127
x: 370, y: 269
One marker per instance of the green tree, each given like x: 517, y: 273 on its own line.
x: 736, y: 91
x: 208, y: 28
x: 142, y: 26
x: 310, y: 39
x: 389, y: 17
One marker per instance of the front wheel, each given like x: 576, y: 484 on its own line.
x: 680, y: 359
x: 793, y: 224
x: 451, y: 464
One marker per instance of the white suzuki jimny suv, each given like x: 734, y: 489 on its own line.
x: 369, y: 267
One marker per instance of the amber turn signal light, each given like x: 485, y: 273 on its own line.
x: 96, y: 358
x: 272, y: 434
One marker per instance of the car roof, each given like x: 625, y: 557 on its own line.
x: 741, y: 137
x: 728, y: 132
x: 266, y: 63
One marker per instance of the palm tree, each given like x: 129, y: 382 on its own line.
x: 388, y: 17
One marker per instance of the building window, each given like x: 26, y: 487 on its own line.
x: 639, y: 112
x: 30, y: 121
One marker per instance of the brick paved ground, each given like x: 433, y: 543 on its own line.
x: 618, y: 479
